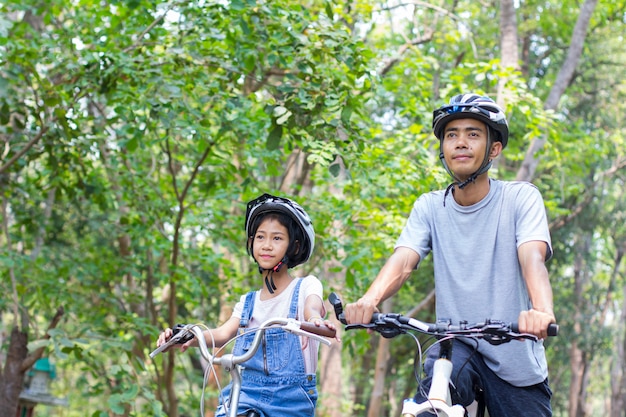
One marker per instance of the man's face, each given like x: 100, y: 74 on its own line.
x: 464, y: 145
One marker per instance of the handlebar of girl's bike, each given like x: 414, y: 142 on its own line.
x: 392, y: 324
x: 183, y: 333
x: 231, y: 362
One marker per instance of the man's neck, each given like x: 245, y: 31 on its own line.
x: 473, y: 192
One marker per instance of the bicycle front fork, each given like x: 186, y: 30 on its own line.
x: 438, y: 395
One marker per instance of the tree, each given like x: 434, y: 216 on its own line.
x: 564, y: 78
x: 134, y: 132
x: 443, y: 60
x: 148, y: 131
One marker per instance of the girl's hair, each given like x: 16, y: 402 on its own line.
x: 293, y: 229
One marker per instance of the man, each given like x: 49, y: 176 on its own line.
x: 489, y: 241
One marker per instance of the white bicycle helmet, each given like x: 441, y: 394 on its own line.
x: 268, y: 203
x: 472, y: 106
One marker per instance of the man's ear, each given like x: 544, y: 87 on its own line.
x: 496, y: 150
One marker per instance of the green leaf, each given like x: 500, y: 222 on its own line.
x: 116, y: 403
x: 346, y: 112
x: 273, y: 139
x: 5, y: 114
x: 329, y: 10
x: 36, y: 344
x: 131, y: 144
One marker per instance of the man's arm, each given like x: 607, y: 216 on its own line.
x: 532, y: 257
x: 393, y: 274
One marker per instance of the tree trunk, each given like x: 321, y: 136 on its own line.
x: 526, y: 171
x: 618, y: 375
x: 331, y: 364
x: 508, y: 45
x: 508, y: 52
x: 578, y: 356
x: 380, y: 371
x: 578, y: 366
x: 331, y: 378
x: 12, y: 377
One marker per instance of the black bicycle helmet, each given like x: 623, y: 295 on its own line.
x: 472, y: 106
x: 267, y: 203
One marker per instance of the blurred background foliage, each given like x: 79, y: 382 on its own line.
x: 134, y: 132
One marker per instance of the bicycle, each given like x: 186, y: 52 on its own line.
x: 438, y: 400
x: 233, y: 364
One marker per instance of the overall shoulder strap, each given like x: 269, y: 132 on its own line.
x: 248, y: 308
x: 293, y: 307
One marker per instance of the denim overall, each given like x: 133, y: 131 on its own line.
x: 274, y: 382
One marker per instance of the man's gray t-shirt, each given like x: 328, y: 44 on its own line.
x: 477, y: 272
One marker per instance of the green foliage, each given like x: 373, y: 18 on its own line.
x: 135, y: 131
x: 157, y: 123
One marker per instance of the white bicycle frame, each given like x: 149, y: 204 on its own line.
x: 233, y: 363
x: 439, y: 399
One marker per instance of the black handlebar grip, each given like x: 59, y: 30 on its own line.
x: 376, y: 317
x: 553, y: 329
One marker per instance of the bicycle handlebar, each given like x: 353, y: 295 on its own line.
x: 233, y: 363
x: 184, y: 333
x: 392, y: 324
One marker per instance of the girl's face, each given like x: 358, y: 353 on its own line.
x: 270, y: 243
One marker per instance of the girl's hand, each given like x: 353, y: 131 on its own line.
x: 167, y: 335
x: 164, y: 336
x: 318, y: 322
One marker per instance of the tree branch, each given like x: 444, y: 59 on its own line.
x: 527, y: 170
x: 30, y: 360
x: 619, y: 164
x: 427, y: 300
x: 393, y: 61
x: 25, y: 149
x: 149, y: 28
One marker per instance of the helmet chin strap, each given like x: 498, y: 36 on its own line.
x: 269, y: 279
x: 472, y: 178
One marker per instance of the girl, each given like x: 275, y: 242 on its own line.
x: 280, y: 379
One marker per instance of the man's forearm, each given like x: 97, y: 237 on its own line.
x: 392, y: 276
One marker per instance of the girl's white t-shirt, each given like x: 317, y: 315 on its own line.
x: 279, y: 307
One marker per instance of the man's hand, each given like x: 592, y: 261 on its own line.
x: 360, y: 312
x: 535, y: 322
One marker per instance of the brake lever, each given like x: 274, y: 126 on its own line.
x: 181, y: 334
x: 386, y: 331
x: 336, y: 302
x: 380, y: 325
x: 497, y: 334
